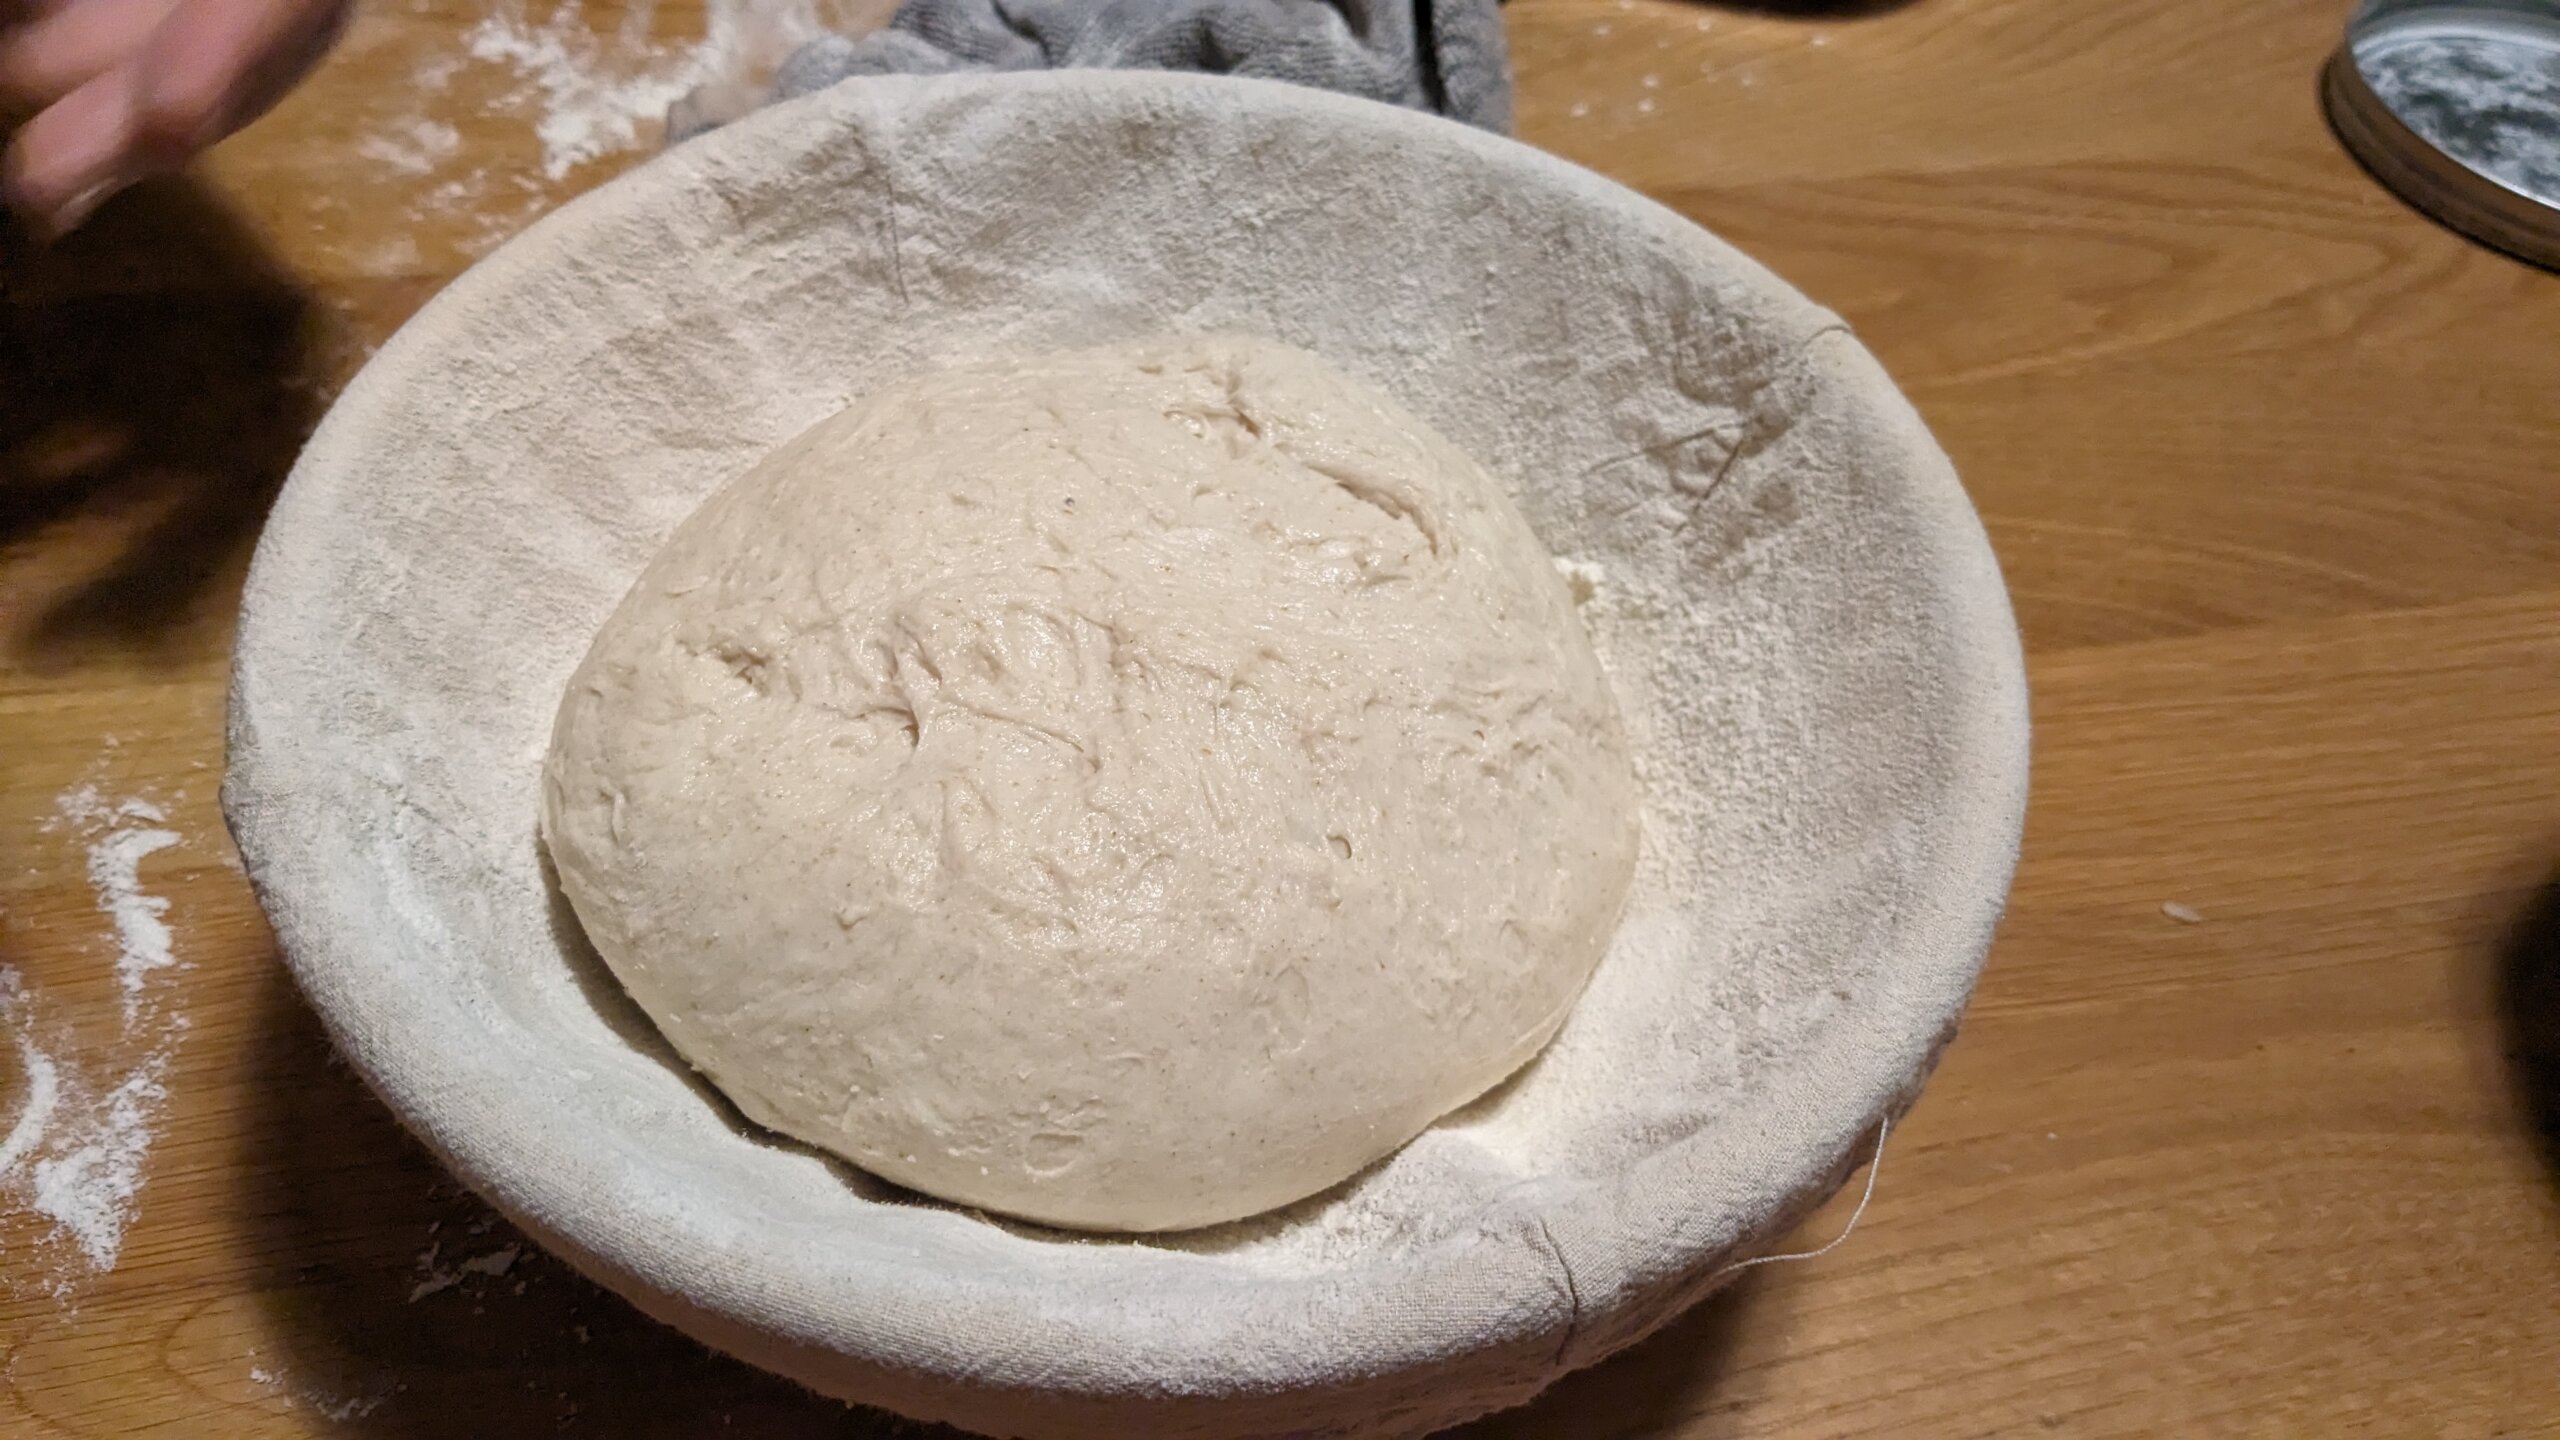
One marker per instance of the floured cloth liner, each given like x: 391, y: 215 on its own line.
x: 1447, y: 56
x: 1801, y: 618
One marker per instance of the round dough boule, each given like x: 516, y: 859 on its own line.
x: 1128, y: 789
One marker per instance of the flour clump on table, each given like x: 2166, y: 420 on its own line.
x: 1132, y: 788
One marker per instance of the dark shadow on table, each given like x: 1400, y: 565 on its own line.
x: 159, y: 371
x: 1670, y: 1384
x: 2528, y: 1002
x: 353, y: 1218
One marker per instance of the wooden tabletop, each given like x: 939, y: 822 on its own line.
x: 2254, y: 1125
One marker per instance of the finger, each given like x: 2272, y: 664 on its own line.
x: 215, y: 65
x: 62, y: 51
x: 73, y: 154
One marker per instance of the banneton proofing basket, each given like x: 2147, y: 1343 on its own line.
x: 1798, y: 607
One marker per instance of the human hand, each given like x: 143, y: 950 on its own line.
x: 128, y: 88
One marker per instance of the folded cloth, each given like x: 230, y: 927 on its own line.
x: 1447, y: 56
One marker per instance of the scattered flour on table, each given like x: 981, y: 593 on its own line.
x: 414, y: 148
x: 395, y: 254
x: 436, y: 1283
x: 596, y: 95
x: 353, y: 1407
x: 87, y: 1185
x: 436, y: 72
x: 115, y: 876
x: 78, y: 1147
x: 585, y: 89
x: 331, y: 1407
x: 44, y: 1091
x: 435, y: 1278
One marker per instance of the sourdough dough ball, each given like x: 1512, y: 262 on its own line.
x: 1127, y: 789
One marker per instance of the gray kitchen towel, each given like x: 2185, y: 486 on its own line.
x: 1447, y: 56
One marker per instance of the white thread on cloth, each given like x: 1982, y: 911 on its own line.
x: 1884, y: 1128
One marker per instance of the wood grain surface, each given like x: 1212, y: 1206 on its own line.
x: 2274, y: 468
